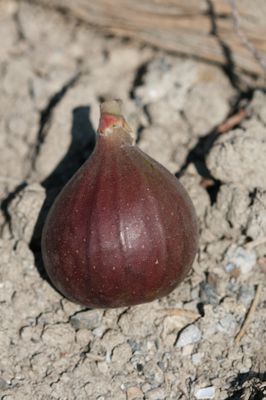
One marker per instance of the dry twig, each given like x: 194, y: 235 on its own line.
x: 232, y: 121
x: 249, y: 315
x: 180, y: 312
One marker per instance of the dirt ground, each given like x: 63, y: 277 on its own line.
x: 206, y: 340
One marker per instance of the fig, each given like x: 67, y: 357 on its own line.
x: 123, y: 231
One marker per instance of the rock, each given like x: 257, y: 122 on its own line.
x: 121, y: 354
x: 99, y: 331
x: 197, y: 358
x: 238, y: 257
x: 191, y: 334
x: 227, y: 325
x: 3, y: 384
x: 86, y: 320
x: 134, y: 393
x: 208, y: 294
x: 205, y: 393
x: 246, y: 295
x: 155, y: 394
x: 153, y: 374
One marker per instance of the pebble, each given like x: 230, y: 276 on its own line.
x: 134, y: 393
x: 228, y: 325
x: 3, y: 384
x: 208, y: 294
x: 121, y: 354
x: 191, y: 334
x: 99, y: 331
x: 205, y: 393
x: 246, y: 295
x: 196, y: 358
x: 86, y: 320
x: 155, y: 394
x: 238, y: 257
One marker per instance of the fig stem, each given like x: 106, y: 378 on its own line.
x: 112, y: 122
x: 111, y: 107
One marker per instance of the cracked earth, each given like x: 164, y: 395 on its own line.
x: 54, y: 71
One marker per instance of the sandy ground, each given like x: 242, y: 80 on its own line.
x: 53, y: 73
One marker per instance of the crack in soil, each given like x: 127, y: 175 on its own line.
x: 46, y: 115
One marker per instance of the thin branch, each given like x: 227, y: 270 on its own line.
x: 249, y: 314
x: 179, y: 312
x: 232, y: 121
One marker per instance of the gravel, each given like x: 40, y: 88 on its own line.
x: 189, y: 335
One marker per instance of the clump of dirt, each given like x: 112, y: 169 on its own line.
x: 205, y: 338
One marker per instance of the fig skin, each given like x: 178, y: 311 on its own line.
x: 123, y: 231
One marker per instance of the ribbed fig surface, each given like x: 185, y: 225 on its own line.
x: 123, y: 231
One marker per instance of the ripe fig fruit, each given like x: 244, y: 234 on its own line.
x: 123, y: 231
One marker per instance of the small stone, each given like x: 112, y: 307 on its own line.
x: 121, y: 354
x: 99, y: 331
x: 228, y: 325
x: 197, y: 358
x: 134, y: 393
x: 238, y: 257
x: 208, y: 294
x: 155, y: 394
x: 189, y: 335
x: 3, y: 384
x: 230, y: 268
x: 86, y: 320
x: 205, y: 393
x: 246, y: 295
x: 153, y: 374
x: 146, y: 387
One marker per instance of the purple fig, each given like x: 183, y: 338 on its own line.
x: 123, y: 231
